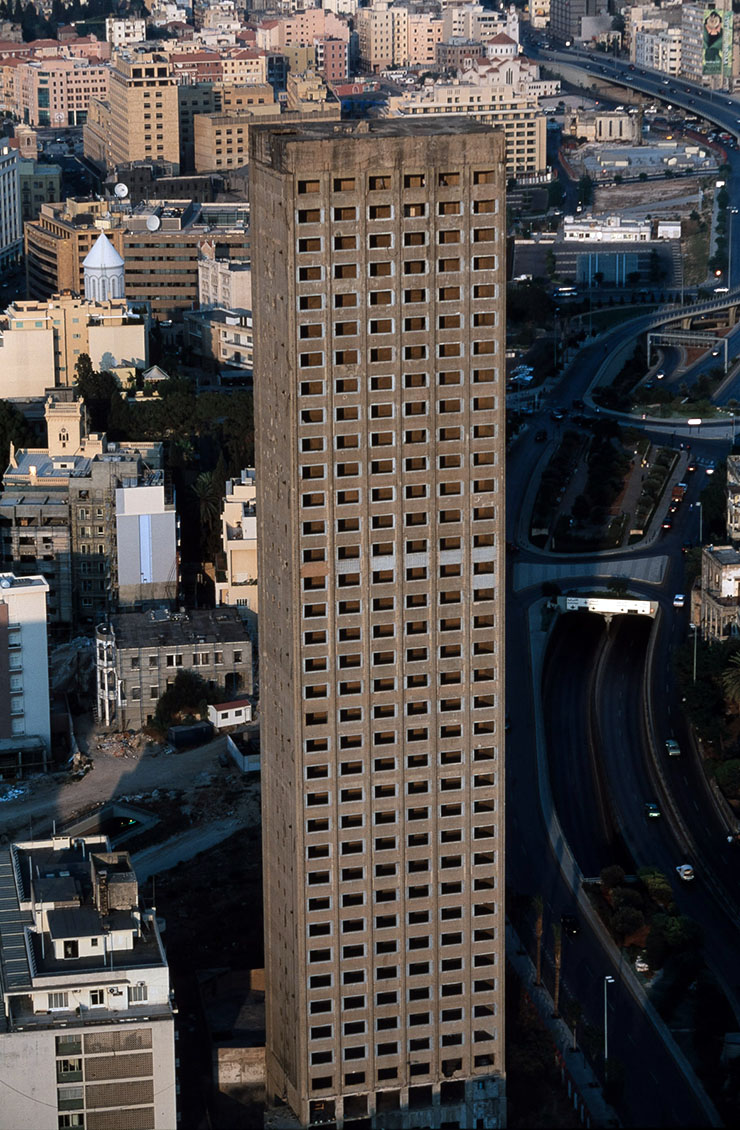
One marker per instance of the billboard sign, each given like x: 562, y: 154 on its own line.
x: 713, y: 27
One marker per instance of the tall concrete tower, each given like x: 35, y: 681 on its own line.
x: 378, y: 259
x: 104, y: 271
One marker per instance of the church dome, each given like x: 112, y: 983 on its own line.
x: 104, y: 271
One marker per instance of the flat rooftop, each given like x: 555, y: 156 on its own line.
x: 161, y: 628
x: 443, y: 125
x: 724, y: 554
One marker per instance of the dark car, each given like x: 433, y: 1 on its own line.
x: 668, y: 522
x: 570, y: 925
x: 557, y: 414
x: 540, y: 436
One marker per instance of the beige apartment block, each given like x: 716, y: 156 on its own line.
x: 223, y: 282
x: 57, y: 244
x: 517, y: 114
x: 222, y: 140
x: 236, y: 582
x: 379, y: 283
x: 57, y: 92
x: 144, y: 120
x: 41, y: 342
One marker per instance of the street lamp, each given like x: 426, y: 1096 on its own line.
x: 695, y: 630
x: 701, y: 524
x: 608, y: 980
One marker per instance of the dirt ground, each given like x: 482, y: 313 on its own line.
x: 620, y: 196
x: 119, y: 770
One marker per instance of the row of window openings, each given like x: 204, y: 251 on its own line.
x: 390, y: 997
x: 321, y: 903
x: 413, y: 518
x: 386, y: 382
x: 447, y: 487
x: 419, y: 1070
x: 318, y: 981
x: 382, y: 354
x: 451, y: 1039
x: 390, y: 843
x: 410, y: 210
x: 417, y: 436
x: 417, y: 654
x: 453, y: 1015
x: 386, y: 240
x: 386, y: 268
x: 388, y: 297
x: 201, y: 659
x: 390, y: 921
x: 412, y: 324
x: 386, y: 522
x: 383, y: 182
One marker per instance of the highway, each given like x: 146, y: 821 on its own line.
x: 593, y: 699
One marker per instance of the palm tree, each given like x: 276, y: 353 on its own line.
x: 731, y: 678
x: 206, y: 490
x: 538, y: 905
x: 557, y: 955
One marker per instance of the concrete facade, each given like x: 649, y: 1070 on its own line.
x: 720, y: 591
x: 379, y: 276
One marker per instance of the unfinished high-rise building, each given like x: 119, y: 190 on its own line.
x: 378, y: 276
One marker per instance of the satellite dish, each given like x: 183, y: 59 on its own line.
x: 153, y: 223
x: 121, y: 191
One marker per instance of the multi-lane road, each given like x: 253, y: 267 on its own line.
x: 601, y: 766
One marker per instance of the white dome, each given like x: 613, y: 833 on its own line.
x: 102, y: 255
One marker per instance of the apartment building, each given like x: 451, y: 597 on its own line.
x: 41, y: 342
x: 124, y: 32
x: 733, y: 498
x: 88, y: 1038
x: 378, y: 273
x: 158, y: 240
x: 57, y: 92
x: 25, y: 727
x: 223, y: 282
x: 143, y: 117
x: 39, y: 184
x: 139, y: 654
x: 718, y: 594
x: 222, y: 140
x: 95, y: 518
x: 658, y: 48
x: 236, y: 578
x: 11, y: 227
x: 59, y: 241
x: 517, y: 114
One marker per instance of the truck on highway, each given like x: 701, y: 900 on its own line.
x: 678, y: 493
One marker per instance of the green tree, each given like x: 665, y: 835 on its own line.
x: 585, y: 190
x: 188, y: 695
x: 627, y: 920
x: 657, y: 885
x: 206, y: 490
x: 13, y: 429
x: 727, y: 774
x: 538, y: 906
x: 731, y: 678
x: 612, y: 876
x: 97, y: 389
x: 557, y: 957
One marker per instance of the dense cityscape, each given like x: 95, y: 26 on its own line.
x: 369, y: 378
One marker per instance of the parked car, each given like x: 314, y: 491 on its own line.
x: 685, y: 872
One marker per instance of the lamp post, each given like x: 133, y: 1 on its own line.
x: 695, y: 630
x: 608, y: 980
x: 701, y: 524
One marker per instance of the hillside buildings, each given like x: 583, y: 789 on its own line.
x: 378, y: 273
x: 88, y: 1016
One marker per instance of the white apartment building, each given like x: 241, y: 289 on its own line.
x: 473, y: 21
x: 223, y: 282
x: 88, y: 1036
x: 658, y: 48
x: 122, y: 33
x: 539, y: 13
x: 237, y: 583
x: 25, y: 729
x: 11, y: 229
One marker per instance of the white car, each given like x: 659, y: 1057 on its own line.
x: 679, y: 600
x: 685, y: 872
